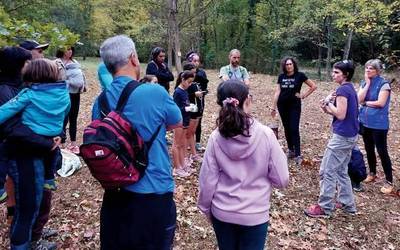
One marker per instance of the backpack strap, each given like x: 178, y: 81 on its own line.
x: 153, y: 137
x: 126, y: 92
x: 103, y: 103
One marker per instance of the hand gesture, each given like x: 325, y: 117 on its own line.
x: 56, y: 142
x: 299, y: 95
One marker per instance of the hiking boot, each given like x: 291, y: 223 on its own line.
x: 3, y: 195
x: 290, y: 154
x: 316, y: 211
x: 43, y: 245
x: 387, y: 188
x: 48, y: 232
x: 370, y: 178
x: 341, y: 206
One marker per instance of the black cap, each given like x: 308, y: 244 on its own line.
x: 32, y: 44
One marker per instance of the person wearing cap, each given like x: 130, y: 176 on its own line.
x: 34, y: 47
x: 234, y: 71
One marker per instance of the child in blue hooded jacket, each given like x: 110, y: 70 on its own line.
x: 44, y: 103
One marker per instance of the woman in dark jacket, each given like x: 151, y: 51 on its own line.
x: 21, y: 156
x: 158, y: 68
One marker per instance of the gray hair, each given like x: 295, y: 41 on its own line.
x: 376, y: 64
x: 115, y: 52
x: 234, y: 51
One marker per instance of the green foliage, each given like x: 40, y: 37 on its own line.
x: 14, y: 31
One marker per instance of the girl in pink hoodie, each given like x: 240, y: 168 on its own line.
x: 242, y: 163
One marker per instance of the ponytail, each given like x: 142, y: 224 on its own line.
x: 184, y: 75
x: 232, y: 119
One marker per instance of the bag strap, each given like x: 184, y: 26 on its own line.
x: 104, y: 106
x: 126, y: 92
x: 153, y: 137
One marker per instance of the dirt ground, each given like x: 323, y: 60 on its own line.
x: 77, y: 201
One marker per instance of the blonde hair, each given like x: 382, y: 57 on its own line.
x: 41, y: 71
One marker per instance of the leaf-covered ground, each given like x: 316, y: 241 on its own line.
x: 77, y: 201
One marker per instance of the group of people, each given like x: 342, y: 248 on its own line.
x: 242, y: 162
x: 39, y: 97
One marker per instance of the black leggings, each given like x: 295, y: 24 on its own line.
x: 377, y: 138
x: 72, y: 117
x: 290, y: 115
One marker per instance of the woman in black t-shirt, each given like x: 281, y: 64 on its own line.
x: 287, y: 99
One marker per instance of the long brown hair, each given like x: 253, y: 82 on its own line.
x: 232, y: 119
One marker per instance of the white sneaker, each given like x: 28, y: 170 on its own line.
x: 180, y: 172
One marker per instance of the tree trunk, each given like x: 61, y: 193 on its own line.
x: 328, y: 25
x: 174, y: 34
x: 319, y: 63
x: 347, y: 48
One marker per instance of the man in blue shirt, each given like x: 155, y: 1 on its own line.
x: 142, y: 215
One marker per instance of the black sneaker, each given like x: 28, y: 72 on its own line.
x: 357, y: 187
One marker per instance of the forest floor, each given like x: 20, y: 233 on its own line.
x: 76, y: 203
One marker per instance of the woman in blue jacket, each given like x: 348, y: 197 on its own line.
x: 374, y: 98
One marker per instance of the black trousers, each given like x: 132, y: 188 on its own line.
x: 377, y: 138
x: 72, y: 117
x: 290, y: 115
x: 137, y: 221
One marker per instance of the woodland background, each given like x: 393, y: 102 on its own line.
x: 318, y: 32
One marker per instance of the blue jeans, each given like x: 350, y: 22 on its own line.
x: 238, y: 237
x: 334, y: 174
x: 28, y: 176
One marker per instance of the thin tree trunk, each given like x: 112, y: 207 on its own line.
x: 350, y: 33
x: 319, y: 63
x: 329, y: 45
x: 347, y: 48
x: 174, y: 35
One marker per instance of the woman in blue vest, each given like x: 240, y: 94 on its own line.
x: 374, y: 98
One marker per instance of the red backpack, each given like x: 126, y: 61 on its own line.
x: 112, y: 148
